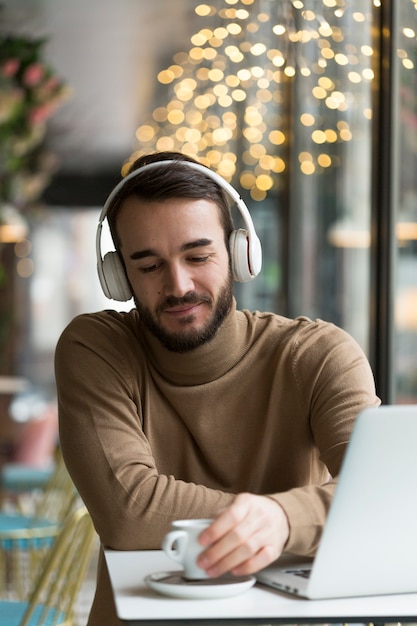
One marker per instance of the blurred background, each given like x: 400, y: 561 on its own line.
x: 308, y: 108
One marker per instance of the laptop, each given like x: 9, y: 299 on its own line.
x: 369, y: 541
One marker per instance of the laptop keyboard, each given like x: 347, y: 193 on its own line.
x: 303, y: 573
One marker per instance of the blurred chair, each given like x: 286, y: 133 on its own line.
x: 18, y: 483
x: 53, y: 597
x: 33, y: 457
x: 25, y: 539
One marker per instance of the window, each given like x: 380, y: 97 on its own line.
x: 404, y: 202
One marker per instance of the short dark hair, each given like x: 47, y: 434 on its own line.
x: 163, y: 183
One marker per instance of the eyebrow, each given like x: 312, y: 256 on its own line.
x: 191, y: 245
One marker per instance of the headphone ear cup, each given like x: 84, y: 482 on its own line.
x: 115, y: 284
x: 238, y: 242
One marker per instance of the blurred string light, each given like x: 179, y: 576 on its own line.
x: 407, y: 48
x: 25, y: 266
x: 229, y: 95
x: 13, y: 226
x: 406, y: 51
x: 14, y: 229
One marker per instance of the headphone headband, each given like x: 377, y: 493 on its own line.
x: 231, y: 191
x: 244, y: 244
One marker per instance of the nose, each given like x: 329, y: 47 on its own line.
x: 178, y: 280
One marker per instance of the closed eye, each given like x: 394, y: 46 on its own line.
x: 200, y: 259
x: 150, y: 268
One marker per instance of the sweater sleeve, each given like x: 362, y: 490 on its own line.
x: 335, y: 383
x: 104, y: 447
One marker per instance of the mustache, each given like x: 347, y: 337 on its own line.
x: 189, y: 298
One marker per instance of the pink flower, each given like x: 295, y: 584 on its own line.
x: 51, y: 84
x: 41, y: 113
x: 48, y: 89
x: 33, y: 75
x: 10, y: 67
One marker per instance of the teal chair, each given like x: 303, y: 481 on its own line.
x: 17, y: 478
x: 52, y: 600
x: 25, y: 539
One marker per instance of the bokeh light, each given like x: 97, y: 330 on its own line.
x: 227, y: 95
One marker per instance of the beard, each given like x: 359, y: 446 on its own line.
x: 190, y: 338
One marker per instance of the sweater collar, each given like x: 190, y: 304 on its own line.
x: 205, y: 363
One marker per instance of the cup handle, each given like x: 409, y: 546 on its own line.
x: 179, y: 537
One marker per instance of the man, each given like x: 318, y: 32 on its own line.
x: 187, y: 407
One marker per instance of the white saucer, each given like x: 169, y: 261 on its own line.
x: 175, y: 585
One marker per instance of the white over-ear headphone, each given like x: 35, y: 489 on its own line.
x: 245, y: 247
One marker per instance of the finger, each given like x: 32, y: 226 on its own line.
x: 262, y: 559
x: 226, y: 521
x: 222, y: 555
x: 241, y: 553
x: 236, y: 547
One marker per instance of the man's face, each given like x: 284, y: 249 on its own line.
x: 178, y: 266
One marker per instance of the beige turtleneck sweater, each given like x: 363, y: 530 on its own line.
x: 150, y: 436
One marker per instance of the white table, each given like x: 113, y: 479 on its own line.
x: 137, y: 605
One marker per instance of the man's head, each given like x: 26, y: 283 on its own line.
x: 198, y: 203
x: 171, y: 229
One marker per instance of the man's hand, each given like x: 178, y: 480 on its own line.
x: 246, y: 537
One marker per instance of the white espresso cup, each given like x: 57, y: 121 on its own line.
x: 181, y: 545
